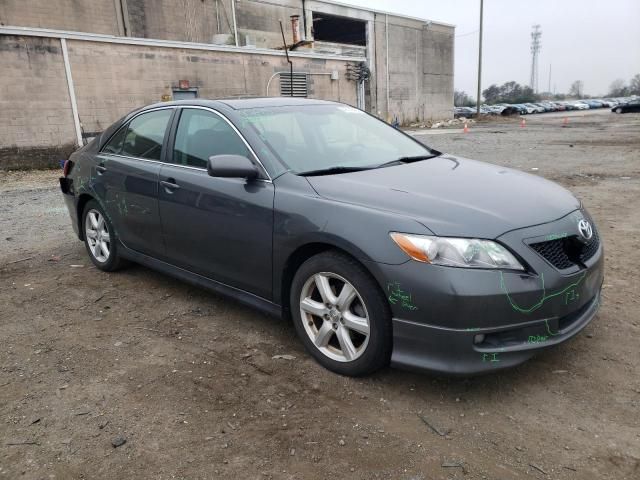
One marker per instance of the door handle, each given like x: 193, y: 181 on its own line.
x: 170, y: 185
x: 101, y: 169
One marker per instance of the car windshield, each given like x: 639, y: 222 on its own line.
x: 332, y: 138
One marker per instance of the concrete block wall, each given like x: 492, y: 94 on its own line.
x: 184, y: 20
x: 113, y: 79
x: 95, y: 16
x: 420, y: 63
x: 261, y: 21
x: 437, y: 70
x: 35, y: 110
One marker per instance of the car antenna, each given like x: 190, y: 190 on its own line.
x: 286, y: 52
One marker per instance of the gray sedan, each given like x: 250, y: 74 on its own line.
x: 379, y: 249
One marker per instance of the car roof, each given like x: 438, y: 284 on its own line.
x: 245, y: 103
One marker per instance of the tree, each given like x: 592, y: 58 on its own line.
x: 491, y: 94
x: 461, y: 99
x: 509, y: 92
x: 618, y: 88
x: 634, y: 85
x: 576, y: 89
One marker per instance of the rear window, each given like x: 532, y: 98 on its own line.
x: 145, y: 135
x: 114, y: 145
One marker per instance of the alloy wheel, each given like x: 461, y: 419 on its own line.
x: 334, y: 317
x: 97, y: 235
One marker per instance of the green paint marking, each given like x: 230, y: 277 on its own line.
x: 556, y: 236
x: 490, y: 357
x: 537, y: 338
x: 399, y: 296
x: 544, y: 298
x: 546, y: 322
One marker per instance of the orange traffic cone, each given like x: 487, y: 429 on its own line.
x: 565, y: 121
x: 466, y: 128
x: 523, y: 123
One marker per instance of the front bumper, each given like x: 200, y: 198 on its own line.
x: 419, y: 346
x: 469, y: 321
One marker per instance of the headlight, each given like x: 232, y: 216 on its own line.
x: 456, y: 252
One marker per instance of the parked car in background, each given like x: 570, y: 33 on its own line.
x: 466, y: 112
x: 379, y: 249
x: 547, y: 107
x: 521, y: 109
x: 509, y: 110
x: 632, y: 106
x: 581, y: 105
x: 536, y: 108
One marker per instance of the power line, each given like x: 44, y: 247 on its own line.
x: 468, y: 33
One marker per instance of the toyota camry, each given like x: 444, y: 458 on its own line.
x: 380, y: 249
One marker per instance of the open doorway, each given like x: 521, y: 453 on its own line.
x: 336, y: 29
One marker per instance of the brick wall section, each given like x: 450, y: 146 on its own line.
x: 35, y: 111
x: 95, y: 16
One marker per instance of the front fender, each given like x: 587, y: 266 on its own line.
x: 302, y: 217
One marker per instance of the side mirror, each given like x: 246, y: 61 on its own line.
x: 231, y: 166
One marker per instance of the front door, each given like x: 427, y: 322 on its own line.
x: 128, y: 169
x: 220, y: 228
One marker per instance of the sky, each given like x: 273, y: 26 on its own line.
x: 596, y: 41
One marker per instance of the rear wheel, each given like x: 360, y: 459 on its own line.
x: 100, y: 238
x: 340, y: 315
x: 618, y: 110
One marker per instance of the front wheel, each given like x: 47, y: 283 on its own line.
x: 340, y: 314
x: 618, y: 110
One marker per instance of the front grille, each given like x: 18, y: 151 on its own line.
x: 590, y: 249
x: 554, y: 252
x: 566, y: 252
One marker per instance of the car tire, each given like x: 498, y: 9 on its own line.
x: 618, y: 110
x: 100, y: 238
x: 347, y: 331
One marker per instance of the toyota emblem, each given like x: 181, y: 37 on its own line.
x: 584, y: 227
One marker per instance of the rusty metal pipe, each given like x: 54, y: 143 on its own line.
x: 295, y: 27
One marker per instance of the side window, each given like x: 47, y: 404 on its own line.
x: 202, y: 134
x: 145, y: 135
x: 114, y: 145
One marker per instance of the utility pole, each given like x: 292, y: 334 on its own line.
x: 549, y: 90
x: 480, y: 61
x: 535, y: 49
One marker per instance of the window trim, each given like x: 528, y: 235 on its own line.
x: 168, y: 143
x: 174, y: 129
x: 126, y: 125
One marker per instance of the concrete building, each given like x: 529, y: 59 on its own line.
x: 69, y: 68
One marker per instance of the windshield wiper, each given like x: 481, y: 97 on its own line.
x: 332, y: 171
x: 402, y: 160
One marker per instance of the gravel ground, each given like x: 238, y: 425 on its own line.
x: 188, y: 378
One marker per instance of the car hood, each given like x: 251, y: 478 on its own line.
x: 453, y: 196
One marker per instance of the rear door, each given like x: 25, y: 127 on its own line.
x: 126, y: 180
x: 220, y: 228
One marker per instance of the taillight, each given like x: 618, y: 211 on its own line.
x: 68, y: 164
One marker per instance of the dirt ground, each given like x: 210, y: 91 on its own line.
x: 188, y: 378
